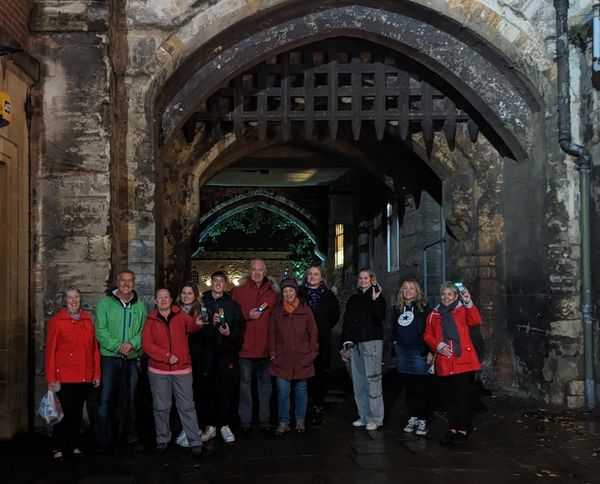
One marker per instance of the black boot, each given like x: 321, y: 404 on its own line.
x: 317, y: 415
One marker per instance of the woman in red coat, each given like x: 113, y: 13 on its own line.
x: 447, y: 333
x: 72, y: 367
x: 293, y: 347
x: 165, y: 341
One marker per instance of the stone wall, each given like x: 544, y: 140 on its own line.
x: 72, y: 214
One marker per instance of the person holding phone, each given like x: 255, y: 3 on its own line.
x: 447, y: 333
x: 222, y: 339
x: 363, y: 326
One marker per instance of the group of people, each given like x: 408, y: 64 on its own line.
x: 205, y: 350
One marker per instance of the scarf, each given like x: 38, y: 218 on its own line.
x: 313, y: 295
x: 449, y: 327
x: 76, y: 316
x: 290, y: 308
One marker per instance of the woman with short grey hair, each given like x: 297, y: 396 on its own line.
x: 72, y: 367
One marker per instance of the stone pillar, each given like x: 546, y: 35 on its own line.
x: 72, y: 232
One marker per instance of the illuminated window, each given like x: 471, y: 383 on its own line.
x: 393, y: 237
x: 195, y: 278
x: 339, y: 245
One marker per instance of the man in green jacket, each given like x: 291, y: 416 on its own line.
x: 119, y: 321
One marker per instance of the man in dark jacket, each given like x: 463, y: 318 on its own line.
x: 221, y: 341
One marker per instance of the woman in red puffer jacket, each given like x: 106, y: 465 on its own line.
x: 447, y: 332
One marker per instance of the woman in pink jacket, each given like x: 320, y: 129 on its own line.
x: 447, y: 332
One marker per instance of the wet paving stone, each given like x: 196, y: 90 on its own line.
x: 506, y: 447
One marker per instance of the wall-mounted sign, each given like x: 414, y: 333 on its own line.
x: 5, y: 109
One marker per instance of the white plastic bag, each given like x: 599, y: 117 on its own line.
x: 50, y: 408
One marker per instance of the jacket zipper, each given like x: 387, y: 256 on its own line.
x: 125, y: 323
x: 169, y: 338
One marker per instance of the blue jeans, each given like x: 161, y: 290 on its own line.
x: 248, y: 367
x: 283, y: 399
x: 116, y: 407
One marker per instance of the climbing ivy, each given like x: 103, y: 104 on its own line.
x: 251, y: 221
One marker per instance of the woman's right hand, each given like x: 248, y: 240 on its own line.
x: 445, y: 351
x: 54, y: 387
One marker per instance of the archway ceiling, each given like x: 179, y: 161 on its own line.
x: 471, y: 74
x: 283, y: 166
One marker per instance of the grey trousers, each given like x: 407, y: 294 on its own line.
x: 365, y: 366
x: 163, y: 387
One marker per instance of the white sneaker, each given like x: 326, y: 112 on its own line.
x: 421, y: 428
x: 411, y: 424
x: 182, y: 440
x: 227, y: 434
x: 372, y: 426
x: 359, y: 423
x: 210, y: 432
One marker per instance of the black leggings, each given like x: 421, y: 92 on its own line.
x: 456, y: 390
x: 417, y: 394
x: 72, y: 396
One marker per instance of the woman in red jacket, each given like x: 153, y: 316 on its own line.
x: 293, y: 347
x: 447, y: 333
x: 165, y: 341
x: 72, y: 367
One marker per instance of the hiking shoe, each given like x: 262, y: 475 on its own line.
x: 411, y: 425
x: 281, y: 429
x: 196, y: 451
x: 421, y: 428
x: 161, y: 447
x: 135, y: 445
x: 448, y: 438
x: 300, y: 427
x: 359, y: 423
x: 460, y: 439
x: 372, y: 426
x: 182, y: 440
x: 227, y: 434
x: 210, y: 432
x: 317, y: 416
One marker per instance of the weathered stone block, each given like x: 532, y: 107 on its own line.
x: 574, y: 402
x: 576, y: 388
x: 566, y: 329
x: 99, y: 248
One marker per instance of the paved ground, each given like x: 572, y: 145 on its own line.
x: 513, y: 442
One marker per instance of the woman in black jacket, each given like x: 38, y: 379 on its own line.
x: 362, y: 340
x: 413, y: 356
x: 326, y: 310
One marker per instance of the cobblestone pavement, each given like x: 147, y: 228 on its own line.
x: 514, y: 441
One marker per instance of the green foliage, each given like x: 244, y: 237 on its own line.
x: 578, y: 36
x: 251, y: 221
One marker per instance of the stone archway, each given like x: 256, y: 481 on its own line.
x: 479, y: 71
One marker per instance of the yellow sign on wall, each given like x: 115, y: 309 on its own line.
x: 5, y: 109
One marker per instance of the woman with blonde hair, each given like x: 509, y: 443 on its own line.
x: 447, y: 332
x: 362, y: 342
x: 412, y: 354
